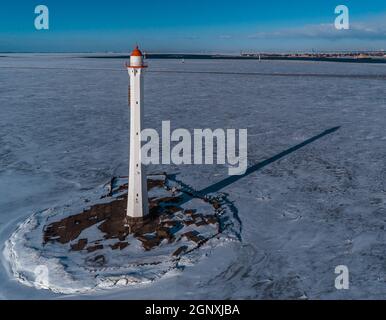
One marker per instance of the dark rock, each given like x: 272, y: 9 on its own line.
x: 94, y: 248
x: 113, y: 222
x: 173, y: 209
x: 80, y: 245
x: 180, y: 250
x: 163, y: 232
x: 189, y: 222
x: 149, y: 243
x: 155, y: 183
x: 193, y: 236
x: 119, y: 245
x: 189, y: 212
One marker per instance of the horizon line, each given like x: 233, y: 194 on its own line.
x: 240, y: 52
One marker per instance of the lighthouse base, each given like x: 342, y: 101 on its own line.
x: 93, y: 244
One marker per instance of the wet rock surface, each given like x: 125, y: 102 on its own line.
x: 164, y: 223
x: 160, y: 225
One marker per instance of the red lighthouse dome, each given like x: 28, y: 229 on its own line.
x: 136, y: 52
x: 136, y: 59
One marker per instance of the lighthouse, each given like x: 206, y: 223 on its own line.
x: 137, y: 199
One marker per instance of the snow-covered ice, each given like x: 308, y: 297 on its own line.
x: 63, y: 133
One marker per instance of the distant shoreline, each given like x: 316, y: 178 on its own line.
x: 229, y: 57
x: 194, y: 56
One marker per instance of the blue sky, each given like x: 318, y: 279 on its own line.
x: 191, y: 25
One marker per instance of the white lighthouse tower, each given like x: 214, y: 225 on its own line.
x: 137, y: 199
